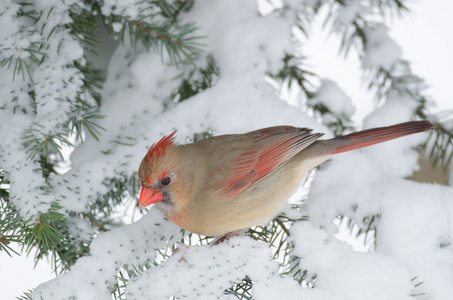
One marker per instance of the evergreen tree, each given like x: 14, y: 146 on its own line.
x: 203, y: 68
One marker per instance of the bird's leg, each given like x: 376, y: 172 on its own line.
x: 227, y: 236
x: 179, y: 246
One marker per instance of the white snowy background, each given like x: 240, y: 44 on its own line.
x: 415, y: 231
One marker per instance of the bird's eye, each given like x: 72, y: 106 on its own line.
x: 165, y: 181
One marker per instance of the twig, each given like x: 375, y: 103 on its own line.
x: 94, y: 222
x: 155, y: 33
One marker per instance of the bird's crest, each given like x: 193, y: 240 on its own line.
x: 158, y: 149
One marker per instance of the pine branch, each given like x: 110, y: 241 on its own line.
x: 101, y: 226
x: 392, y: 6
x: 156, y: 34
x: 38, y: 142
x: 27, y: 53
x: 84, y: 118
x: 441, y: 140
x: 365, y: 229
x: 83, y: 27
x: 193, y: 84
x: 131, y: 271
x: 293, y: 72
x: 242, y: 290
x: 49, y: 232
x: 172, y: 10
x: 9, y: 221
x: 44, y: 235
x: 167, y: 36
x: 119, y: 188
x: 398, y: 79
x: 442, y: 149
x: 299, y: 273
x: 125, y: 274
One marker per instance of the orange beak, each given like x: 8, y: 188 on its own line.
x: 149, y: 196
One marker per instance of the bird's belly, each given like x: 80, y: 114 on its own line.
x: 258, y: 210
x: 256, y: 205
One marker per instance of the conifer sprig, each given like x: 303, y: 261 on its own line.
x: 157, y: 27
x: 10, y: 221
x: 198, y: 80
x: 21, y: 56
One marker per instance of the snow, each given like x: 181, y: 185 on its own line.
x: 416, y: 229
x: 287, y: 288
x: 117, y: 27
x: 330, y: 95
x: 12, y: 28
x: 380, y: 49
x: 80, y: 229
x: 56, y: 83
x: 204, y: 272
x: 93, y: 277
x: 127, y: 8
x: 348, y: 13
x: 354, y: 275
x: 413, y: 227
x: 396, y: 156
x: 413, y: 220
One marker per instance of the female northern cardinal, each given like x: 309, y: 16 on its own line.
x: 224, y: 184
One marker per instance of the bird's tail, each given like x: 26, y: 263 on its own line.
x: 378, y: 135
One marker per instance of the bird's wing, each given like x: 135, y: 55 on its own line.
x: 271, y: 148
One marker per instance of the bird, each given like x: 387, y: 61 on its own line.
x: 225, y: 184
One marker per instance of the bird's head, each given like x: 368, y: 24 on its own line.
x: 158, y: 174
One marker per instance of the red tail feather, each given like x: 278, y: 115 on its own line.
x: 373, y: 136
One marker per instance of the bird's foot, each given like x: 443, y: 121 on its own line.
x: 226, y: 237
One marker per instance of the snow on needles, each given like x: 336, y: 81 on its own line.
x: 93, y: 277
x: 55, y: 87
x: 330, y: 95
x: 203, y: 272
x: 380, y: 49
